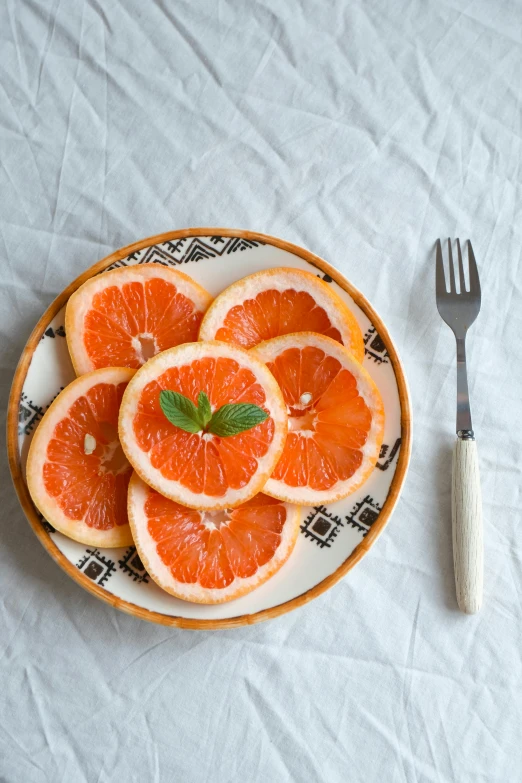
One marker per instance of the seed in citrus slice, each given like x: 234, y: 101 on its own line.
x: 77, y: 473
x: 336, y: 419
x: 202, y: 470
x: 280, y: 301
x: 123, y: 317
x: 210, y: 556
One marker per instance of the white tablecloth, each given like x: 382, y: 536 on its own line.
x: 362, y: 130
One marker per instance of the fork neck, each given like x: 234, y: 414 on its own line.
x: 464, y: 425
x: 461, y: 350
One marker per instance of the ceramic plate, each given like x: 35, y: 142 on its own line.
x: 332, y: 539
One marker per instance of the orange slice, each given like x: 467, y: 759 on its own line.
x: 123, y: 317
x: 77, y: 473
x: 280, y: 301
x: 202, y: 470
x: 336, y: 419
x: 210, y: 556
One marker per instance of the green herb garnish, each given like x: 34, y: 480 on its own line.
x: 228, y: 420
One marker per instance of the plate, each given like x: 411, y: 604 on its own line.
x: 332, y: 539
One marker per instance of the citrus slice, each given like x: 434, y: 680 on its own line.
x: 280, y: 301
x: 210, y: 556
x: 336, y: 419
x: 123, y: 317
x: 200, y: 469
x: 77, y: 473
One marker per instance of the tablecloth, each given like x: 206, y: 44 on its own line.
x: 362, y: 130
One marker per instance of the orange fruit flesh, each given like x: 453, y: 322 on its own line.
x: 328, y: 430
x: 205, y: 463
x: 90, y: 487
x: 273, y: 313
x: 213, y: 548
x: 127, y: 325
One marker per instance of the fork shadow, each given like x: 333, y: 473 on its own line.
x: 444, y: 544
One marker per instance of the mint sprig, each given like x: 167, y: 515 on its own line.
x: 230, y: 419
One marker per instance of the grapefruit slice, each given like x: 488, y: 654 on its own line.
x: 77, y: 473
x: 210, y: 556
x: 280, y: 301
x: 200, y: 469
x: 123, y: 317
x: 336, y: 419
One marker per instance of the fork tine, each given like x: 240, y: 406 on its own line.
x: 461, y: 269
x: 451, y: 270
x: 474, y: 282
x: 440, y: 283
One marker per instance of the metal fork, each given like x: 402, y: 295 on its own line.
x: 459, y: 311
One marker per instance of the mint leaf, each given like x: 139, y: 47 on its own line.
x: 180, y: 411
x: 235, y: 418
x: 204, y: 409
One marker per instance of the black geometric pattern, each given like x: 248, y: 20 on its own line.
x: 50, y: 332
x: 29, y: 414
x: 364, y: 514
x: 96, y: 566
x: 131, y: 564
x: 374, y: 347
x: 326, y: 278
x: 391, y: 455
x: 182, y: 251
x: 45, y: 524
x: 321, y: 526
x: 55, y: 396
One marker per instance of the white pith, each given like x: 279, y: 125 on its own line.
x: 147, y: 550
x: 81, y: 302
x: 136, y: 344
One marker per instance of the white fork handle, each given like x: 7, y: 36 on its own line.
x: 468, y: 545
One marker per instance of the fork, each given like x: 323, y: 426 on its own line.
x: 459, y: 311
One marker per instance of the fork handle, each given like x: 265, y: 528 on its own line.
x: 468, y: 546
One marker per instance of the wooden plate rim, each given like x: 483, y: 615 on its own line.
x: 246, y: 619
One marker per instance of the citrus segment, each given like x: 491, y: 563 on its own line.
x: 123, y: 317
x: 276, y: 302
x: 200, y: 469
x: 336, y: 419
x: 77, y: 473
x: 210, y: 556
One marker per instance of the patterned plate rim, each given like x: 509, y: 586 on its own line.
x: 245, y: 619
